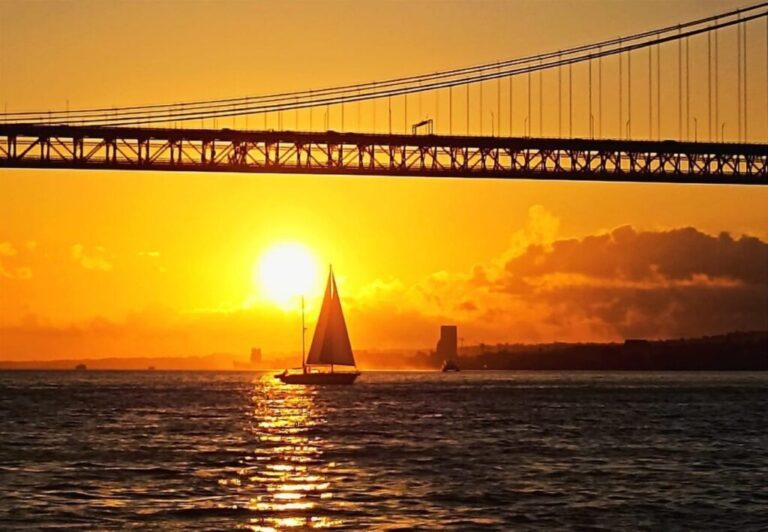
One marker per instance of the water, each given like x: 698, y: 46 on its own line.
x: 103, y: 450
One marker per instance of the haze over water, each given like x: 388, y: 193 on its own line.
x: 499, y: 450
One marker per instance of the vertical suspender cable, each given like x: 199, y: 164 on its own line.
x: 528, y: 129
x: 559, y: 98
x: 570, y: 100
x: 541, y: 101
x: 717, y: 87
x: 600, y: 93
x: 650, y: 93
x: 467, y: 124
x: 679, y: 86
x: 658, y: 91
x: 709, y: 86
x: 621, y: 96
x: 405, y: 115
x: 510, y: 107
x: 687, y: 91
x: 744, y: 48
x: 738, y: 79
x: 498, y: 102
x: 481, y: 107
x: 629, y: 95
x: 591, y: 131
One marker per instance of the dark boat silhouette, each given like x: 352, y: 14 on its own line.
x: 330, y: 346
x: 450, y: 365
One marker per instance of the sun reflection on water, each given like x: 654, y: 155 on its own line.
x: 287, y: 481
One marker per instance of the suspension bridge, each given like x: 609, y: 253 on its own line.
x: 687, y: 103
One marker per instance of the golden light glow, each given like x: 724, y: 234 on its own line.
x: 286, y: 272
x: 181, y: 273
x: 286, y: 479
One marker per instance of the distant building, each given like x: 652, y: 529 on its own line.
x: 255, y: 355
x: 447, y: 344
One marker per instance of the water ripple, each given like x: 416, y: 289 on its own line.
x: 526, y: 450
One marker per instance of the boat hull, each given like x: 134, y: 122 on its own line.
x: 450, y: 365
x: 318, y: 378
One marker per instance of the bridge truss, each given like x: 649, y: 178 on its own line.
x: 205, y: 150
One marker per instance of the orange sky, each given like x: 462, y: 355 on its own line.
x: 108, y: 263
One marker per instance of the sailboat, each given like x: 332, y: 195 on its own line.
x: 330, y: 346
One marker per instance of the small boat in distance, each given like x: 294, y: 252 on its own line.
x: 450, y: 365
x: 330, y: 345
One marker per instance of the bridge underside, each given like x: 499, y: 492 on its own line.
x: 203, y: 150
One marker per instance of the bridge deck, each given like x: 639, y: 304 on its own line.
x: 330, y: 152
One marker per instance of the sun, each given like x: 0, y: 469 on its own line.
x: 285, y: 272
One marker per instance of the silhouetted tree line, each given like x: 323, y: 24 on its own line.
x: 729, y: 352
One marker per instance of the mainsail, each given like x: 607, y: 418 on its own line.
x: 330, y: 344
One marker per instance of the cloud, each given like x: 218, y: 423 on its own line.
x: 22, y: 273
x: 7, y: 249
x: 629, y: 255
x: 622, y: 283
x: 94, y: 258
x: 541, y: 228
x: 679, y: 282
x: 155, y: 331
x: 10, y: 253
x: 607, y: 286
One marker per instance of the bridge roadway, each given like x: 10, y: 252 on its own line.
x: 330, y: 152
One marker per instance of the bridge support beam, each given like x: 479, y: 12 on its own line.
x: 203, y: 150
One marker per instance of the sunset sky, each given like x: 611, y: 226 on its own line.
x: 96, y: 264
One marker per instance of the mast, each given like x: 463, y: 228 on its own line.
x: 330, y: 269
x: 303, y: 335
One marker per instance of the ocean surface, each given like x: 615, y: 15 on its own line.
x: 497, y: 450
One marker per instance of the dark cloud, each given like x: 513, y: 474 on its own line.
x: 660, y: 312
x: 626, y: 283
x: 627, y: 254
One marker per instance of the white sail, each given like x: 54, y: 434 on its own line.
x: 330, y: 343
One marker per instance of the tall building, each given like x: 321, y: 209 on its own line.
x: 255, y: 355
x: 447, y: 344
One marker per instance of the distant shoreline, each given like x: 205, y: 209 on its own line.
x: 736, y: 351
x: 369, y: 370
